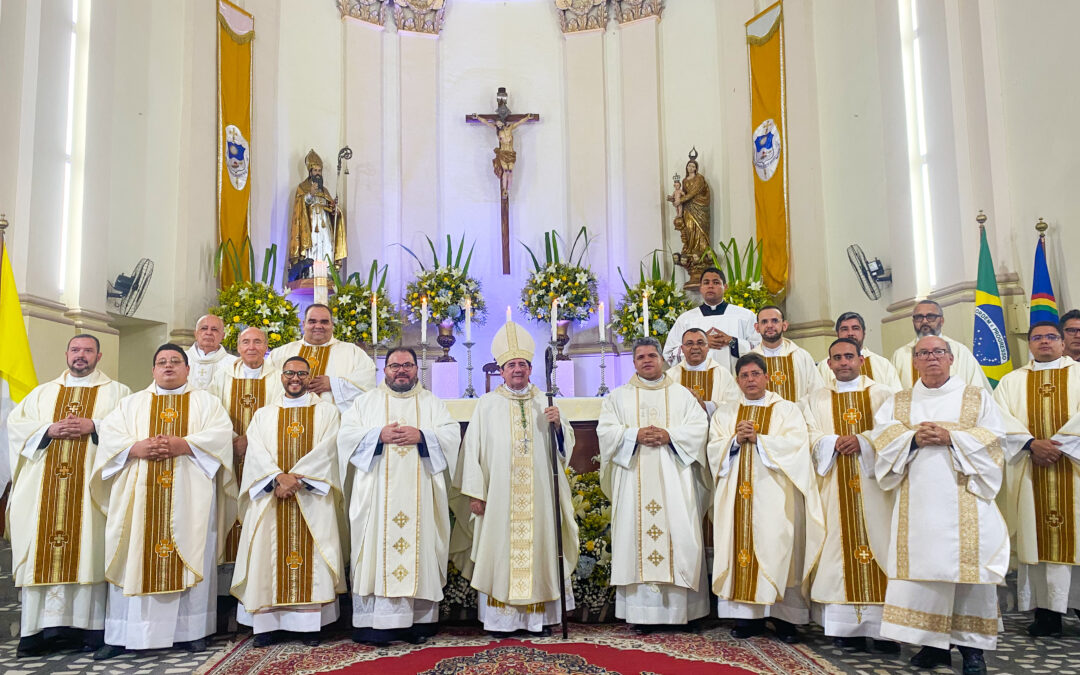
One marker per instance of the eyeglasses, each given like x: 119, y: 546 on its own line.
x: 1046, y: 337
x: 927, y: 353
x: 171, y: 362
x: 1072, y: 331
x: 289, y: 374
x: 925, y: 317
x: 396, y: 367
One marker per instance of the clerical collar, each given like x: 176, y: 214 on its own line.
x: 300, y: 402
x: 769, y: 351
x: 704, y: 365
x: 204, y: 356
x: 73, y: 381
x: 1040, y: 365
x: 850, y: 385
x: 166, y: 392
x: 519, y: 392
x: 713, y: 310
x: 250, y: 373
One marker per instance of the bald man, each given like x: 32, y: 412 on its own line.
x: 207, y: 354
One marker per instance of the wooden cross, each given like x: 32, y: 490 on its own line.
x: 504, y: 123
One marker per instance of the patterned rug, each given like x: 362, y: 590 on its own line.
x: 590, y: 650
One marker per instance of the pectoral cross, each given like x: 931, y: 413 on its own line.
x: 504, y: 123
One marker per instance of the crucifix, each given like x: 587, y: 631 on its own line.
x: 504, y: 123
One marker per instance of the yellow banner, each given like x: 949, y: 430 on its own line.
x: 16, y: 365
x: 236, y: 30
x: 765, y: 48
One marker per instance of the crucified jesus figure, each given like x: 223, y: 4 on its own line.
x: 505, y: 156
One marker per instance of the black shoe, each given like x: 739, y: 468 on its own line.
x: 886, y: 647
x: 192, y: 646
x: 31, y: 645
x: 973, y: 661
x: 747, y: 628
x: 786, y: 631
x: 932, y: 657
x: 855, y: 644
x: 265, y: 639
x: 1046, y: 623
x: 363, y: 636
x: 311, y: 641
x: 543, y: 632
x: 108, y: 651
x: 93, y: 640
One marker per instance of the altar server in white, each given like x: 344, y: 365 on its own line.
x: 1042, y: 405
x: 652, y: 434
x: 207, y: 355
x: 939, y: 444
x: 58, y: 562
x: 397, y: 447
x: 163, y: 474
x: 340, y: 371
x: 289, y: 565
x: 506, y: 472
x: 729, y: 328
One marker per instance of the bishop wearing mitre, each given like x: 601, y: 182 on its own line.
x: 848, y: 588
x: 56, y: 532
x: 506, y: 473
x: 289, y: 563
x: 163, y: 475
x: 652, y: 434
x: 763, y: 550
x: 397, y: 446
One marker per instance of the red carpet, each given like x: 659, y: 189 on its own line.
x: 591, y: 650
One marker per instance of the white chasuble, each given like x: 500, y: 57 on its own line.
x: 398, y: 502
x: 350, y: 369
x: 874, y: 366
x: 964, y: 367
x: 507, y: 465
x: 709, y: 382
x: 205, y: 366
x: 657, y: 493
x: 290, y: 549
x: 791, y: 370
x: 850, y: 570
x: 755, y: 501
x: 951, y: 487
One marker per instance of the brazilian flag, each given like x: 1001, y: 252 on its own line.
x: 990, y: 347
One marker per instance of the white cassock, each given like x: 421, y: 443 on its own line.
x: 943, y: 572
x: 712, y: 384
x: 792, y: 371
x: 1040, y: 504
x: 350, y: 369
x: 875, y: 366
x: 289, y: 565
x: 163, y: 518
x: 848, y: 587
x: 242, y: 391
x: 507, y: 464
x: 658, y: 499
x: 964, y: 366
x: 57, y: 560
x: 398, y: 506
x: 203, y: 366
x: 763, y: 546
x: 738, y: 322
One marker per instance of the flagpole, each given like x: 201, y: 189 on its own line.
x: 7, y: 490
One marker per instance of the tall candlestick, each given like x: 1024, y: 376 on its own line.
x: 374, y: 320
x: 423, y: 321
x: 645, y: 313
x: 554, y: 319
x: 468, y: 319
x: 603, y: 328
x: 508, y: 319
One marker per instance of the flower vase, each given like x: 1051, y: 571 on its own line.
x: 446, y: 340
x: 562, y: 331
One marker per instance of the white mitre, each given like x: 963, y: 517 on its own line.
x: 512, y: 342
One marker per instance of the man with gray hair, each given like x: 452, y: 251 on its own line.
x: 928, y: 319
x: 207, y: 354
x: 652, y: 434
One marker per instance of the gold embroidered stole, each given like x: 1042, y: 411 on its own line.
x: 295, y: 547
x: 316, y: 358
x: 163, y: 569
x: 653, y: 531
x: 866, y: 369
x: 781, y: 376
x: 401, y: 487
x: 698, y: 381
x: 59, y: 532
x: 914, y: 373
x: 967, y: 504
x: 745, y: 564
x: 522, y: 422
x: 864, y: 581
x: 246, y: 396
x: 1048, y: 411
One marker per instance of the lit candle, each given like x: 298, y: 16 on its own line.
x: 508, y: 314
x: 603, y: 328
x: 374, y: 321
x: 645, y: 313
x: 423, y: 320
x: 468, y: 319
x: 554, y: 319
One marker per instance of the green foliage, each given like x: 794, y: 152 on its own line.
x: 573, y: 286
x: 446, y: 289
x: 351, y: 306
x: 592, y: 510
x: 452, y: 260
x: 241, y: 261
x: 551, y: 249
x: 666, y: 302
x: 749, y: 294
x: 738, y: 266
x: 251, y: 303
